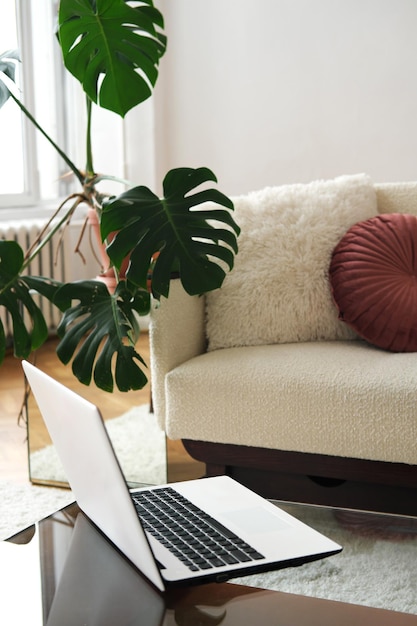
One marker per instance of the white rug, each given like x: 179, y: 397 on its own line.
x: 374, y: 571
x: 138, y: 442
x: 23, y: 505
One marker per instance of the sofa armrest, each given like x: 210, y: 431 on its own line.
x: 176, y: 334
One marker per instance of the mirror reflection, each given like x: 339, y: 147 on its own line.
x: 139, y: 444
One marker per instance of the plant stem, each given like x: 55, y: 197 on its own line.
x: 34, y: 251
x: 89, y: 164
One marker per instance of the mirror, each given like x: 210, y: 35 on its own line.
x: 139, y: 444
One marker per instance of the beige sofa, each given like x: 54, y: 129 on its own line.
x: 262, y: 381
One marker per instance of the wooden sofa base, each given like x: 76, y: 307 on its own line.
x: 313, y: 478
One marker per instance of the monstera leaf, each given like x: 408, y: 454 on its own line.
x: 16, y: 296
x: 113, y: 49
x: 8, y: 67
x: 102, y: 325
x: 188, y: 237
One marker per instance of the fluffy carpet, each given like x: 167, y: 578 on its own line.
x: 23, y: 505
x: 378, y: 566
x: 138, y: 442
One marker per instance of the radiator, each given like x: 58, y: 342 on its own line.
x: 65, y: 266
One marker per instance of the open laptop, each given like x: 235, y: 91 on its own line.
x: 248, y: 533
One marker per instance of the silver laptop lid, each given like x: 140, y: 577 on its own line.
x: 76, y: 425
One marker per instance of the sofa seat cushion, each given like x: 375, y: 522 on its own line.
x: 342, y: 398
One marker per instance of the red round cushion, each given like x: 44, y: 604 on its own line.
x: 373, y: 276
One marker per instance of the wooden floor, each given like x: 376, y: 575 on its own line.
x: 13, y: 433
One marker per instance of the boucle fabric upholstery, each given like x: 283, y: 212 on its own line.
x: 278, y: 291
x: 176, y: 334
x: 340, y: 397
x: 397, y: 197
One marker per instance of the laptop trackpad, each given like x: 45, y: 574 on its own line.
x: 256, y: 520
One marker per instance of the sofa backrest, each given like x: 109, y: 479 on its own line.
x: 279, y: 290
x: 397, y: 197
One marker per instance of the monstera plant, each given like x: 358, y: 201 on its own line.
x: 113, y: 48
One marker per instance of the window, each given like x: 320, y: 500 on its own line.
x: 31, y: 173
x: 12, y: 178
x: 28, y: 25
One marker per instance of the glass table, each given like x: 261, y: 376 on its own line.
x: 63, y: 571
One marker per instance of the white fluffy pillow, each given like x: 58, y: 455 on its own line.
x: 278, y: 291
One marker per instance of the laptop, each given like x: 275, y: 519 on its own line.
x: 230, y: 530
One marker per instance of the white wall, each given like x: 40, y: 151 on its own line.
x: 277, y: 91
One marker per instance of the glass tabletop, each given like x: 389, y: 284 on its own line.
x: 64, y: 571
x: 377, y: 566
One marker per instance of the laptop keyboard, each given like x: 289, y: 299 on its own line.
x: 195, y: 538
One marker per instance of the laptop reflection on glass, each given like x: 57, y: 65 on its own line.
x: 198, y: 531
x: 98, y: 586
